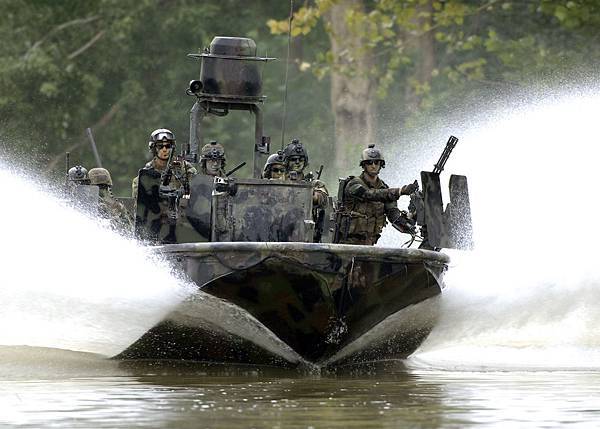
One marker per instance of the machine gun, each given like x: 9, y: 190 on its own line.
x: 416, y: 207
x: 450, y: 228
x: 310, y: 176
x: 438, y: 167
x: 236, y: 168
x: 318, y: 213
x: 225, y: 184
x: 169, y: 193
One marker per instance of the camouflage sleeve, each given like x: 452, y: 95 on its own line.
x: 357, y: 189
x: 392, y: 212
x: 320, y: 194
x: 134, y: 187
x: 190, y: 170
x: 122, y: 217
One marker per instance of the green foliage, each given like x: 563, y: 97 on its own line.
x: 120, y: 67
x: 477, y: 45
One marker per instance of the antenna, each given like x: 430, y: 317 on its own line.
x: 287, y: 66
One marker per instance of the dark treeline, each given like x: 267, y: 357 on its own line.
x: 120, y: 67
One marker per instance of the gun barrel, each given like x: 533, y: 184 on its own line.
x: 320, y: 172
x: 167, y: 173
x: 235, y: 169
x: 94, y: 148
x: 438, y: 167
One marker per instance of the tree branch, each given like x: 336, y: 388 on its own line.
x: 58, y: 28
x: 88, y: 45
x: 434, y: 27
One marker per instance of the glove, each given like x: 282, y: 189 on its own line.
x: 410, y: 188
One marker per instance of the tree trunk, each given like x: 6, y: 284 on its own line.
x: 352, y: 90
x: 425, y: 58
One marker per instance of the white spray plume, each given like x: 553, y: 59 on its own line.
x: 528, y: 295
x: 70, y: 283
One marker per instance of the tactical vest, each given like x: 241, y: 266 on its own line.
x: 178, y: 172
x: 367, y: 218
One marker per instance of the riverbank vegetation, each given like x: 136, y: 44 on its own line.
x: 359, y: 70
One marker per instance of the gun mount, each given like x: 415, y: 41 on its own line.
x: 450, y: 228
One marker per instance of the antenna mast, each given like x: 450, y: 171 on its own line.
x: 287, y: 64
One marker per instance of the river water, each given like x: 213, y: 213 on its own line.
x: 517, y: 344
x: 105, y: 394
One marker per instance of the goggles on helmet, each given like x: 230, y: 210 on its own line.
x: 163, y: 136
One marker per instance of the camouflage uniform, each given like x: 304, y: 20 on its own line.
x: 320, y: 193
x: 368, y: 207
x: 368, y: 203
x: 179, y: 170
x: 108, y: 206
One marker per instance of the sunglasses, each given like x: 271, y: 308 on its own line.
x: 296, y: 159
x: 159, y: 146
x: 376, y: 162
x: 277, y: 170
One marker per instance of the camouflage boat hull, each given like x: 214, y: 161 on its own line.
x: 288, y: 303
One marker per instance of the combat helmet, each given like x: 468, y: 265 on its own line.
x: 160, y: 135
x: 275, y: 158
x: 78, y: 174
x: 371, y: 153
x: 212, y: 150
x: 295, y: 148
x: 100, y: 177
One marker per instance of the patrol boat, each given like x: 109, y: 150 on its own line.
x: 267, y: 292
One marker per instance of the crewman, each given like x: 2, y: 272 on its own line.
x: 78, y: 175
x: 109, y: 207
x: 296, y: 160
x: 368, y: 201
x: 162, y: 142
x: 275, y: 167
x: 212, y: 159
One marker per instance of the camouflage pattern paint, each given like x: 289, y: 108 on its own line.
x: 317, y: 298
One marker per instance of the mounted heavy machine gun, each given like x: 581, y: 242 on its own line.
x: 449, y: 228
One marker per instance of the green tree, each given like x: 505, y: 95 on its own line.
x: 421, y: 54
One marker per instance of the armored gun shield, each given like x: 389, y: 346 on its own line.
x: 262, y: 210
x: 200, y: 205
x: 450, y: 228
x: 160, y: 216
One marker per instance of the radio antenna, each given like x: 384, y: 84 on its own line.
x: 287, y: 64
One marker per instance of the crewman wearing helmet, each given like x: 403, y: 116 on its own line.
x: 275, y: 167
x: 162, y: 142
x: 78, y: 175
x: 212, y: 159
x: 368, y: 202
x: 109, y: 207
x: 296, y: 160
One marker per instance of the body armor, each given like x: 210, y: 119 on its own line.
x: 365, y: 210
